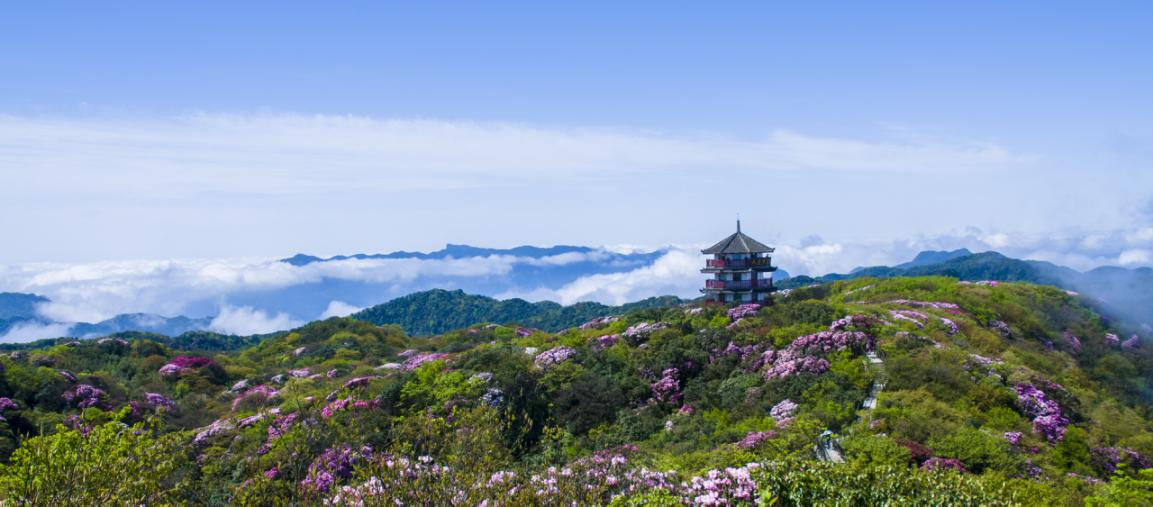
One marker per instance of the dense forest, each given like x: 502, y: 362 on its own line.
x: 924, y: 390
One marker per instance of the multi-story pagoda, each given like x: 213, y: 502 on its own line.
x: 742, y: 270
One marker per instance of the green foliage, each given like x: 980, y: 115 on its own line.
x: 110, y: 464
x: 691, y: 396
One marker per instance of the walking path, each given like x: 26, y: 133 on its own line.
x: 828, y: 446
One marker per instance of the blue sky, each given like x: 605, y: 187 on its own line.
x: 215, y: 129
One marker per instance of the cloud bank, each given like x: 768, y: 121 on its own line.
x: 247, y: 296
x: 246, y: 321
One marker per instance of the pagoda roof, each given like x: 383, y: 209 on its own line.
x: 737, y: 243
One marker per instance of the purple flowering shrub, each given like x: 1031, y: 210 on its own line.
x: 1013, y: 437
x: 783, y: 412
x: 553, y: 357
x: 1108, y: 459
x: 1112, y: 340
x: 935, y: 463
x: 668, y: 388
x: 599, y: 322
x: 593, y: 480
x: 158, y: 401
x: 84, y: 396
x: 1046, y: 413
x: 6, y: 404
x: 417, y: 359
x: 802, y: 356
x: 333, y: 465
x: 754, y: 439
x: 642, y: 330
x: 745, y: 310
x: 1132, y: 343
x: 255, y: 396
x: 606, y: 341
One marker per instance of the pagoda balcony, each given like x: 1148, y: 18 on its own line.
x: 737, y: 263
x: 738, y: 284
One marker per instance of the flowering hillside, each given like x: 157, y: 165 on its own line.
x: 902, y: 391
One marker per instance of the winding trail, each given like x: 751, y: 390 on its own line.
x: 828, y: 446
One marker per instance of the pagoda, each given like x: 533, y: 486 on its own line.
x: 742, y: 270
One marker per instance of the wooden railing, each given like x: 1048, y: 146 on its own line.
x: 736, y: 263
x: 738, y: 284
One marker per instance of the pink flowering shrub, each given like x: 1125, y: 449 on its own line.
x: 179, y: 364
x: 851, y: 321
x: 594, y: 480
x: 935, y: 463
x: 1132, y: 343
x: 755, y: 438
x: 68, y: 376
x: 606, y: 341
x: 1112, y: 340
x: 784, y: 368
x: 599, y: 322
x: 783, y: 410
x: 416, y: 360
x: 255, y: 396
x: 217, y: 427
x: 335, y: 406
x: 278, y: 428
x: 359, y: 381
x: 825, y: 342
x: 331, y: 466
x: 300, y: 373
x: 191, y: 361
x: 1013, y: 437
x: 553, y: 357
x: 250, y: 420
x: 1108, y: 459
x: 1046, y: 413
x: 158, y: 401
x: 84, y: 396
x: 917, y: 318
x: 950, y: 326
x: 939, y: 305
x: 6, y: 404
x: 643, y: 329
x: 745, y: 310
x: 668, y: 387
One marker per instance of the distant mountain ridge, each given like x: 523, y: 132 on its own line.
x: 1121, y: 293
x: 457, y: 252
x: 438, y: 311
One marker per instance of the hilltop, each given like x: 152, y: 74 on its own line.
x: 1120, y: 293
x: 994, y: 393
x: 439, y: 311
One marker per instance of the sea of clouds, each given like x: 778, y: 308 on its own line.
x: 248, y: 296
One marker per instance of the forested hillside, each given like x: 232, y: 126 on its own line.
x: 920, y: 390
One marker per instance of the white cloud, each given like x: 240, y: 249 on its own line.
x: 180, y: 158
x: 245, y: 321
x: 1135, y: 258
x: 676, y: 272
x: 339, y: 309
x: 92, y: 292
x: 30, y: 331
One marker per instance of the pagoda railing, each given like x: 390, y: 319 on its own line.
x: 738, y: 284
x: 736, y: 263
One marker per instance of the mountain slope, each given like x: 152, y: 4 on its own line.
x: 1120, y: 293
x: 1016, y: 394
